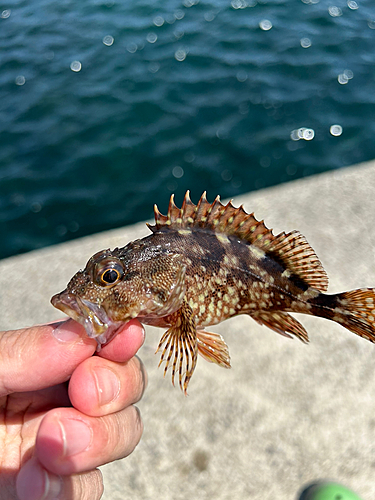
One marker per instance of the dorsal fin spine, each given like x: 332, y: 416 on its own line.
x: 291, y: 250
x: 216, y: 216
x: 185, y: 204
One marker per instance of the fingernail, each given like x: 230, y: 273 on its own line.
x: 144, y: 375
x: 143, y: 333
x: 76, y: 436
x: 35, y: 483
x: 107, y: 384
x: 69, y: 331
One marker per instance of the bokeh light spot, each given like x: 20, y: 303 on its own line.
x: 242, y: 76
x: 352, y: 5
x: 177, y: 172
x: 304, y: 133
x: 209, y: 16
x: 334, y: 11
x: 342, y: 79
x: 154, y: 67
x: 180, y: 55
x: 108, y: 40
x: 179, y: 14
x: 305, y: 43
x: 265, y: 25
x: 151, y: 37
x: 76, y: 66
x: 335, y: 130
x: 158, y: 21
x: 20, y: 80
x: 132, y: 47
x: 226, y: 175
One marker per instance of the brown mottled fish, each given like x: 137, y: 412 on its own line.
x: 203, y: 264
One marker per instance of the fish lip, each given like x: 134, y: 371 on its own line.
x: 91, y: 316
x: 66, y: 303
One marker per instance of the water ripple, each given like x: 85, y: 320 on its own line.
x: 107, y: 105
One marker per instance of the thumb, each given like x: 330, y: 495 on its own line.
x: 41, y: 356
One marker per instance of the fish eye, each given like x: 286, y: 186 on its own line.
x: 110, y: 276
x: 110, y: 273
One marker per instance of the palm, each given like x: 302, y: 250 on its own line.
x: 20, y: 415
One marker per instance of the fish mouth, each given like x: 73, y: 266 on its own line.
x: 92, y: 317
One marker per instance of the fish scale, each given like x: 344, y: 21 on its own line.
x: 203, y: 264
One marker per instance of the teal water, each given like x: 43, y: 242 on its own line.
x: 107, y: 107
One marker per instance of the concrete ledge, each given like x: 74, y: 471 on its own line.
x: 286, y: 413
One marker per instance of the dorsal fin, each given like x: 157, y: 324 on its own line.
x: 295, y: 253
x: 215, y: 216
x: 291, y: 250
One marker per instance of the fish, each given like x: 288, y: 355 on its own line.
x: 201, y: 265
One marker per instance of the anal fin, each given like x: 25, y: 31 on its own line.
x: 212, y: 348
x: 282, y: 323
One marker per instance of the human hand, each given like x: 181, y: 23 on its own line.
x: 53, y: 434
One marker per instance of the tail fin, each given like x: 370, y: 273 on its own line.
x: 355, y: 310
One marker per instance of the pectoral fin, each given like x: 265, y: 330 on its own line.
x: 181, y: 346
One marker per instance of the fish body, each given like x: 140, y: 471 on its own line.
x: 203, y: 264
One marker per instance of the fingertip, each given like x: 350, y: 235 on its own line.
x: 36, y: 483
x: 128, y: 340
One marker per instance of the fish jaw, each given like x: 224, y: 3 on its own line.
x: 91, y: 316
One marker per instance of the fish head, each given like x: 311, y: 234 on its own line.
x: 117, y: 286
x: 92, y: 297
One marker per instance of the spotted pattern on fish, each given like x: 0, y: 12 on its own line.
x: 203, y: 264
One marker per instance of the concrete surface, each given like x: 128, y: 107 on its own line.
x: 286, y: 413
